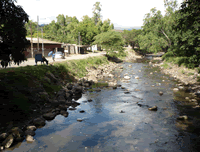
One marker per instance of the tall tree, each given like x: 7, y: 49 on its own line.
x: 187, y: 27
x: 96, y: 12
x: 30, y: 24
x: 87, y: 30
x: 110, y: 41
x: 107, y: 26
x: 12, y: 29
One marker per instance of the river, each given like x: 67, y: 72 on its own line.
x: 105, y: 129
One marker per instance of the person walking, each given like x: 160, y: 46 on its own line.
x: 53, y: 56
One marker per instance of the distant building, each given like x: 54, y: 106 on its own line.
x: 48, y: 46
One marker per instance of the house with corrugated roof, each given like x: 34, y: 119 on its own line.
x: 47, y: 45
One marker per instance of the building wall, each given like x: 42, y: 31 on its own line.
x: 47, y: 49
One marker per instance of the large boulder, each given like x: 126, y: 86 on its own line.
x: 30, y: 132
x: 8, y: 141
x: 49, y: 116
x: 77, y: 90
x: 31, y: 128
x: 17, y: 133
x: 39, y: 122
x: 69, y: 86
x: 3, y: 136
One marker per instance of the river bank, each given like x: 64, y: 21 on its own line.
x: 65, y: 98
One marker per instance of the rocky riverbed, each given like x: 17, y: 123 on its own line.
x: 65, y: 99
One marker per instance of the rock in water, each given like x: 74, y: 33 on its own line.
x: 160, y: 93
x: 154, y: 108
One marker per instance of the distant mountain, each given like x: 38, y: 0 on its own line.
x: 121, y: 28
x: 41, y: 25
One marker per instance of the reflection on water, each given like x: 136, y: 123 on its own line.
x: 104, y: 128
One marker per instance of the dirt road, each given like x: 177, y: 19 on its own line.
x: 31, y: 61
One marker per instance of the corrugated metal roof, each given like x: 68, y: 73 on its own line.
x: 35, y: 40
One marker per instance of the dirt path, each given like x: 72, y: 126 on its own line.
x: 31, y: 61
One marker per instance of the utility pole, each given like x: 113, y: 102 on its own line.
x: 37, y: 32
x: 31, y: 42
x: 79, y: 42
x: 42, y: 43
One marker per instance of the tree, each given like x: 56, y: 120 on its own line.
x: 110, y: 41
x: 12, y: 29
x: 87, y: 30
x: 107, y: 26
x: 131, y: 37
x: 187, y: 27
x: 30, y: 24
x: 96, y: 12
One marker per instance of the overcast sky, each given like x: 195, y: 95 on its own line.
x: 122, y: 13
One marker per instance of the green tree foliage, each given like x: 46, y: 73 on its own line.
x: 30, y: 24
x: 107, y: 26
x: 187, y: 27
x: 12, y: 30
x: 96, y: 12
x: 87, y: 30
x: 110, y: 41
x: 131, y: 37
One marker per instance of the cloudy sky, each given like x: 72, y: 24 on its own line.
x: 124, y: 14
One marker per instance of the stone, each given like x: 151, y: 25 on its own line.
x: 69, y: 86
x: 119, y: 85
x: 122, y: 87
x: 163, y: 80
x: 3, y: 136
x: 181, y: 87
x: 72, y: 108
x: 122, y: 111
x: 16, y: 132
x: 187, y: 98
x: 182, y: 118
x: 127, y: 92
x: 153, y: 85
x: 139, y: 71
x: 63, y: 107
x: 151, y: 73
x: 64, y: 113
x: 127, y: 77
x: 8, y: 141
x: 29, y: 138
x: 39, y: 122
x: 30, y: 132
x: 137, y: 90
x: 82, y: 111
x: 193, y: 100
x: 114, y: 87
x: 49, y: 116
x: 130, y: 65
x: 79, y: 119
x: 175, y: 89
x: 136, y: 77
x: 31, y: 128
x: 154, y: 108
x: 160, y: 93
x: 90, y: 100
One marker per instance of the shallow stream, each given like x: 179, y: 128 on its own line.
x: 105, y: 129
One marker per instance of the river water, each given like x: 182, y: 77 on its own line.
x: 105, y: 129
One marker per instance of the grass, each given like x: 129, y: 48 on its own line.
x: 165, y: 65
x: 189, y: 74
x: 78, y: 67
x: 19, y: 84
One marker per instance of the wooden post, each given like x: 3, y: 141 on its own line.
x: 31, y: 42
